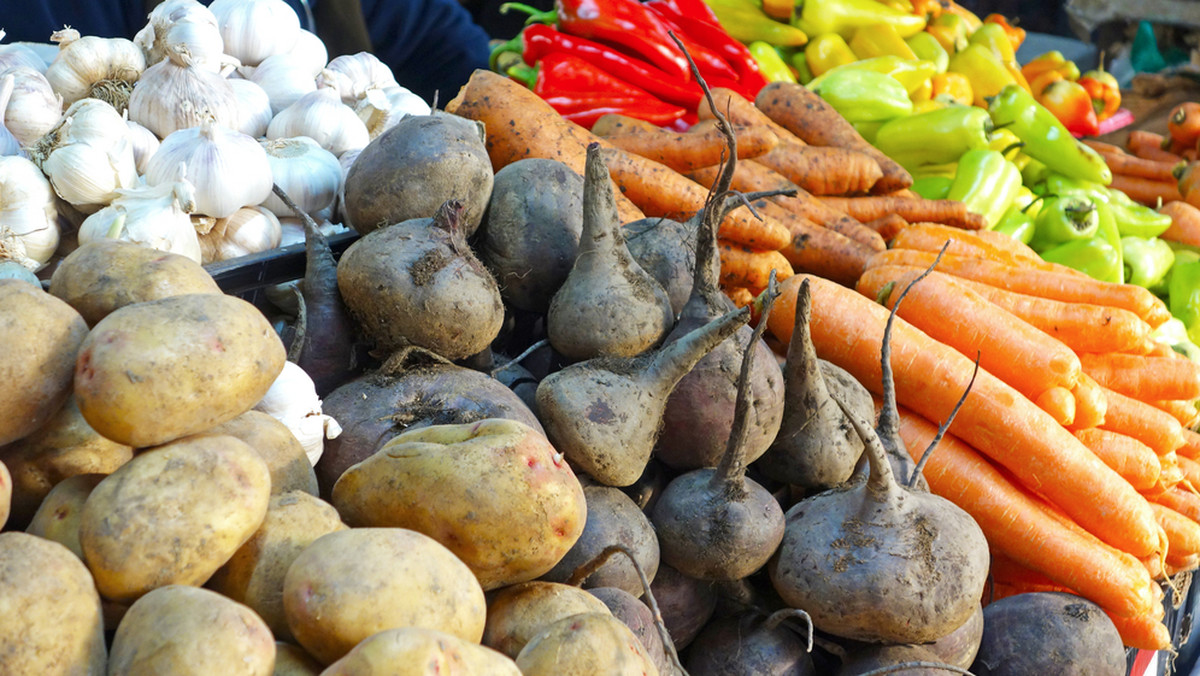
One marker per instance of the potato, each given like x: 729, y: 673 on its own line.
x: 156, y: 371
x: 58, y: 516
x: 291, y: 660
x: 519, y: 612
x: 64, y: 447
x: 181, y: 630
x: 50, y: 619
x: 353, y: 583
x: 254, y: 574
x: 413, y: 651
x: 40, y: 336
x: 104, y: 275
x: 6, y: 492
x: 586, y: 644
x: 495, y: 492
x: 279, y: 448
x: 173, y: 515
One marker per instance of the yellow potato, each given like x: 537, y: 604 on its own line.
x: 188, y: 631
x: 39, y: 338
x: 156, y: 371
x: 285, y: 457
x: 520, y: 612
x: 412, y: 651
x: 584, y: 645
x: 173, y: 515
x: 104, y: 275
x: 495, y: 492
x: 353, y: 583
x: 58, y: 516
x: 50, y: 621
x: 291, y: 660
x: 254, y: 574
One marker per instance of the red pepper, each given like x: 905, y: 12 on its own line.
x: 695, y: 9
x: 749, y: 75
x: 627, y: 23
x: 1072, y: 105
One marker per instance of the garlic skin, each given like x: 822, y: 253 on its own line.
x: 306, y: 172
x: 249, y: 230
x: 176, y: 94
x: 88, y: 155
x: 34, y: 108
x: 144, y: 142
x: 185, y: 23
x: 254, y: 107
x: 29, y: 231
x: 152, y: 215
x: 255, y: 29
x: 353, y: 75
x: 9, y: 145
x: 321, y: 116
x: 292, y: 400
x: 12, y: 56
x: 228, y: 168
x: 284, y: 77
x: 311, y: 53
x: 94, y: 67
x: 381, y: 109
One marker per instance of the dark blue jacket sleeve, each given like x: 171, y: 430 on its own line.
x: 35, y: 20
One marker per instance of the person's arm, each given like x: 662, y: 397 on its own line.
x: 25, y: 21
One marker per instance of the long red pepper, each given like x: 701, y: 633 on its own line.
x: 749, y: 76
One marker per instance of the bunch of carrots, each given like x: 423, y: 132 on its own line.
x: 1072, y: 449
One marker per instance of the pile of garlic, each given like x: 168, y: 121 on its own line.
x: 190, y: 122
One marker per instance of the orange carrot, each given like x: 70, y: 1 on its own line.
x: 1059, y: 403
x: 691, y: 150
x: 1170, y: 476
x: 1185, y: 223
x: 806, y: 115
x: 1147, y: 191
x: 1104, y: 147
x: 821, y: 251
x: 871, y: 207
x: 740, y: 295
x: 958, y: 242
x: 1046, y: 284
x: 743, y: 266
x: 888, y: 226
x: 1183, y: 534
x: 1010, y: 349
x: 1183, y: 410
x: 847, y: 329
x: 1182, y: 499
x: 1157, y: 429
x: 1191, y: 446
x: 740, y: 110
x: 1091, y: 404
x: 1144, y: 378
x: 824, y: 170
x: 1018, y: 524
x: 1144, y: 632
x: 1183, y: 125
x: 1129, y: 457
x: 521, y: 124
x: 1190, y: 469
x: 1131, y: 165
x: 1148, y: 145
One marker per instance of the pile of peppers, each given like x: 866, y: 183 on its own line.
x: 587, y: 58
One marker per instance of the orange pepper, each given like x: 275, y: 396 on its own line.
x: 1016, y: 34
x: 955, y: 86
x: 951, y: 7
x: 1072, y: 105
x: 1104, y: 90
x: 1040, y: 81
x: 1052, y: 60
x: 930, y: 9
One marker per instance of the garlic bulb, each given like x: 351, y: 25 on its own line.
x: 144, y: 142
x: 33, y: 108
x: 12, y: 56
x: 88, y: 155
x: 321, y: 116
x: 254, y: 107
x: 293, y: 228
x: 352, y: 75
x: 292, y: 399
x: 9, y: 145
x: 229, y: 169
x: 175, y: 94
x: 306, y: 172
x: 185, y: 23
x: 311, y: 52
x: 249, y: 230
x: 94, y: 67
x: 381, y: 109
x: 29, y: 229
x: 255, y: 29
x: 284, y: 77
x: 153, y: 215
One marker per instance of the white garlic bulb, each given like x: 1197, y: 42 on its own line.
x: 311, y: 52
x: 94, y: 67
x: 249, y: 230
x: 228, y: 168
x: 175, y: 94
x: 152, y: 215
x: 293, y: 228
x: 284, y: 77
x: 29, y: 231
x: 309, y: 174
x: 352, y: 75
x: 33, y: 108
x: 321, y: 116
x: 185, y: 23
x: 254, y: 107
x: 381, y: 109
x: 255, y: 29
x: 9, y: 145
x: 12, y: 56
x: 292, y: 399
x: 88, y: 155
x: 144, y: 142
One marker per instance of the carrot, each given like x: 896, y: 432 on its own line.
x: 1149, y: 145
x: 1144, y: 632
x: 1190, y: 469
x: 1103, y: 147
x: 1183, y: 126
x: 1157, y: 429
x: 1183, y: 534
x: 1130, y: 458
x: 1091, y: 404
x: 521, y: 124
x: 847, y: 329
x: 1182, y: 499
x: 1147, y: 191
x: 740, y: 110
x: 1010, y: 349
x: 1043, y: 283
x: 659, y: 190
x: 868, y: 208
x: 740, y: 295
x: 1144, y: 378
x: 1185, y: 223
x: 806, y: 115
x: 744, y: 266
x: 888, y: 226
x: 933, y: 236
x: 1059, y: 403
x: 1131, y: 165
x: 1191, y: 446
x: 1018, y: 524
x: 1183, y: 410
x: 824, y: 170
x: 691, y: 150
x: 1169, y: 477
x: 821, y: 251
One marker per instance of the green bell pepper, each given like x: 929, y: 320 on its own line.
x: 935, y: 136
x: 1017, y: 224
x: 1137, y: 220
x: 932, y: 187
x: 864, y: 95
x: 1146, y: 259
x: 986, y: 183
x: 1184, y: 293
x: 1064, y: 218
x: 1046, y: 139
x: 1094, y: 257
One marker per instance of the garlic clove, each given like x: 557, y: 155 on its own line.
x: 309, y: 174
x: 256, y: 29
x: 94, y: 67
x: 323, y: 117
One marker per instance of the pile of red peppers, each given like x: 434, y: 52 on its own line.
x: 587, y: 58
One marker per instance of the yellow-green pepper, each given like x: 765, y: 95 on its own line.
x: 880, y: 39
x: 863, y: 95
x: 926, y: 47
x: 1046, y: 139
x: 912, y: 74
x: 986, y: 183
x: 1146, y: 260
x: 770, y: 63
x: 934, y: 137
x: 994, y: 37
x: 818, y: 17
x: 983, y: 69
x: 828, y: 51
